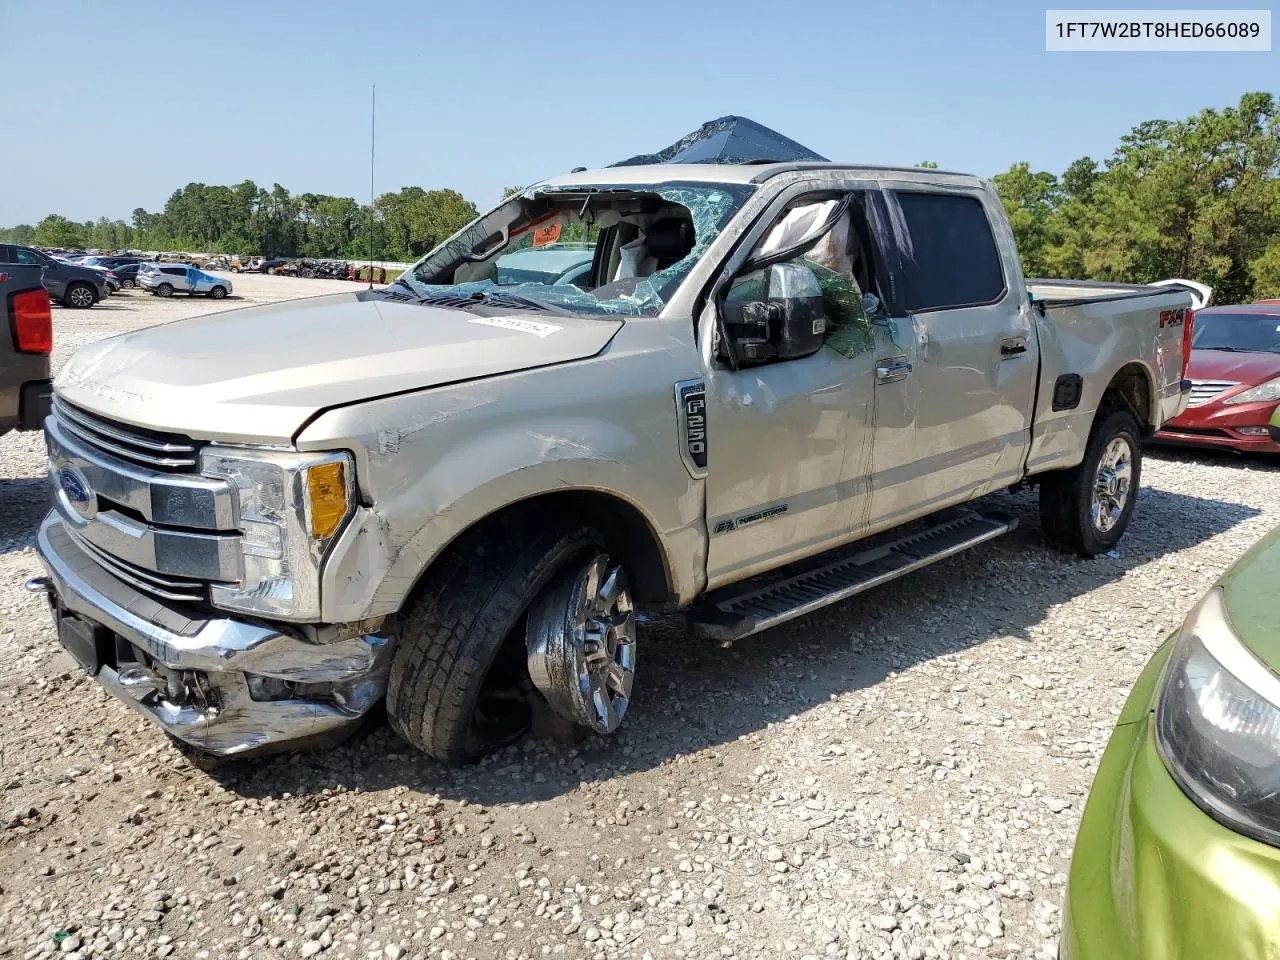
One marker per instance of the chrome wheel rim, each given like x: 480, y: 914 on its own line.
x: 608, y: 624
x: 582, y: 646
x: 218, y: 293
x: 81, y: 297
x: 1112, y: 485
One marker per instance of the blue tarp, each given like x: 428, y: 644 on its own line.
x: 728, y: 140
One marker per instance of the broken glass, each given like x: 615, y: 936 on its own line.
x: 709, y: 207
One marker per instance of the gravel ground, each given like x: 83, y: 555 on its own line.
x: 899, y: 776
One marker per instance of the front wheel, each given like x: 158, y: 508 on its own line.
x: 511, y: 620
x: 79, y: 296
x: 218, y: 293
x: 128, y: 284
x: 1087, y: 509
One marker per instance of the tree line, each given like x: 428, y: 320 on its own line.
x: 248, y: 219
x: 1197, y: 198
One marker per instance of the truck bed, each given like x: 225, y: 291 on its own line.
x: 1055, y: 293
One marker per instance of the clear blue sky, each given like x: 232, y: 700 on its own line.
x: 108, y: 106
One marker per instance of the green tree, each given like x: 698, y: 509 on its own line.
x: 58, y: 231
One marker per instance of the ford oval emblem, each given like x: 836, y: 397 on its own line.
x: 75, y: 487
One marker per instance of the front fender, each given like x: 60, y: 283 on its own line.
x: 432, y: 464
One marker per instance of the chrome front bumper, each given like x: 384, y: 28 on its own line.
x: 212, y: 662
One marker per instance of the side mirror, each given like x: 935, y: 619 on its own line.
x: 789, y: 322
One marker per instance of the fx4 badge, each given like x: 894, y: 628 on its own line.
x: 691, y: 409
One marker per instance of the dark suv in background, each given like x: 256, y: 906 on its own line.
x: 69, y: 284
x: 26, y: 339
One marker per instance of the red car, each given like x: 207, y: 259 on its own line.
x: 1235, y: 380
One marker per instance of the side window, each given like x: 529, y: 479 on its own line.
x: 22, y: 255
x: 841, y: 263
x: 6, y: 253
x: 952, y: 260
x: 175, y: 271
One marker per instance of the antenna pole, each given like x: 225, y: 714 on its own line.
x: 373, y: 114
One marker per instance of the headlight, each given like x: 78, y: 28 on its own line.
x: 1259, y: 394
x: 1218, y: 724
x: 292, y: 505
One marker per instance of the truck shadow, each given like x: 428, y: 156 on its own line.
x: 693, y: 696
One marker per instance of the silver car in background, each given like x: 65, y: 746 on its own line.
x: 165, y: 279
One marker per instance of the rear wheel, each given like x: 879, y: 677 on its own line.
x: 165, y: 290
x: 503, y: 599
x: 80, y: 296
x: 1087, y: 509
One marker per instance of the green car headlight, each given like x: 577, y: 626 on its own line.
x: 1218, y: 724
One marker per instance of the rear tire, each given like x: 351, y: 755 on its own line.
x: 1087, y: 509
x: 459, y: 684
x: 79, y: 296
x: 164, y: 290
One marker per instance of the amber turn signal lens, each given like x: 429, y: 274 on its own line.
x: 327, y: 491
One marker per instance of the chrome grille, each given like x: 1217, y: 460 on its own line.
x: 157, y: 450
x: 165, y: 586
x: 1205, y: 391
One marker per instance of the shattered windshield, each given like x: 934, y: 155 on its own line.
x: 606, y: 250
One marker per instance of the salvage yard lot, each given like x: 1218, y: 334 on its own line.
x: 899, y: 776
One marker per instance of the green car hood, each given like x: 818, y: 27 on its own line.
x: 1253, y: 600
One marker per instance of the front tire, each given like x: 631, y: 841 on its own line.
x: 218, y: 293
x: 128, y: 284
x: 459, y: 685
x: 1087, y: 509
x: 79, y: 296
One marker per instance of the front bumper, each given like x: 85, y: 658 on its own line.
x: 193, y: 676
x: 1152, y: 876
x: 1219, y: 424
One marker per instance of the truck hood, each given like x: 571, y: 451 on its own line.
x: 257, y: 374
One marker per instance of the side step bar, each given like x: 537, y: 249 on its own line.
x: 740, y: 610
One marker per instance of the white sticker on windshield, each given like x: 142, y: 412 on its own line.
x: 517, y: 323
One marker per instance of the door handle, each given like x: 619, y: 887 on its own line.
x: 1013, y: 346
x: 888, y: 371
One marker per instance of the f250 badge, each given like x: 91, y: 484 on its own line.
x: 691, y: 406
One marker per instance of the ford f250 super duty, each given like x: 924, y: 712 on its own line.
x: 777, y: 385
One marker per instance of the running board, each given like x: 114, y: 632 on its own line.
x: 740, y: 610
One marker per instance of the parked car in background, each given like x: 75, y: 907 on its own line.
x: 1235, y: 380
x: 553, y: 264
x: 127, y: 274
x: 166, y: 279
x: 113, y: 281
x: 26, y: 339
x: 216, y: 263
x: 275, y: 264
x: 68, y: 283
x: 1178, y: 853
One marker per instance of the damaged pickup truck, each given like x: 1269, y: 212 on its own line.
x: 775, y: 386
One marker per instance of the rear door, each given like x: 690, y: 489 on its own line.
x: 956, y: 383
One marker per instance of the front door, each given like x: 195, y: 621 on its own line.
x: 789, y: 448
x: 955, y: 374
